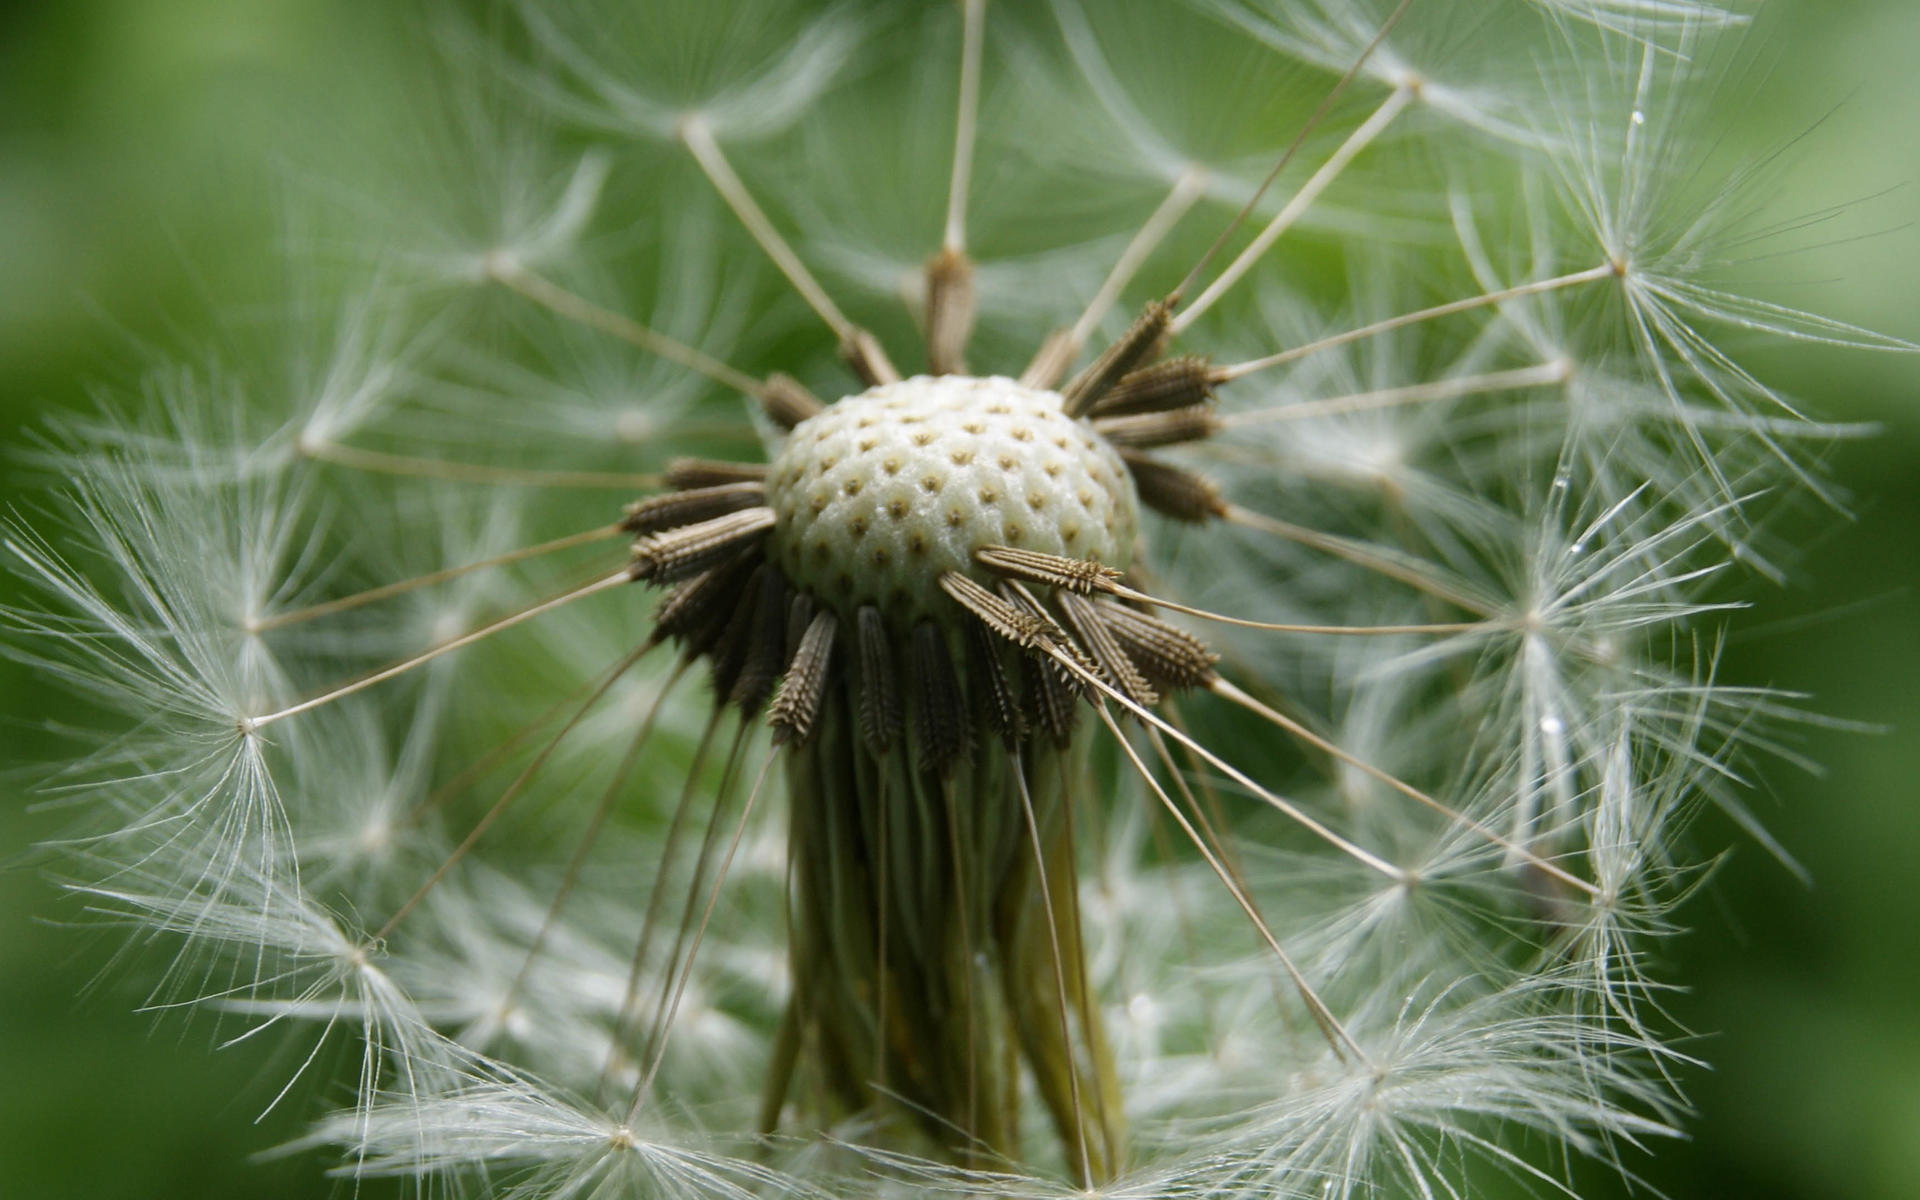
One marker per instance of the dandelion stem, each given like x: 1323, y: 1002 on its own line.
x: 513, y: 275
x: 383, y: 463
x: 1219, y: 686
x: 466, y: 639
x: 344, y: 603
x: 699, y: 142
x: 1396, y: 102
x: 1605, y: 270
x: 1546, y: 374
x: 1336, y: 1034
x: 973, y: 28
x: 514, y: 789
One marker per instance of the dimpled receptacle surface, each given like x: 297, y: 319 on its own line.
x: 878, y: 495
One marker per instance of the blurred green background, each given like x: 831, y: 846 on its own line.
x: 140, y: 141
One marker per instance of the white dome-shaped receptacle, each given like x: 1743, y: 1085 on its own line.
x: 883, y: 492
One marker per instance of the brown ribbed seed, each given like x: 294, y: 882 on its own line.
x: 1177, y: 383
x: 696, y: 610
x: 1052, y: 691
x: 1081, y: 575
x: 674, y: 509
x: 995, y: 705
x: 1169, y: 656
x: 949, y: 311
x: 1145, y: 430
x: 687, y: 473
x: 1133, y: 349
x: 940, y: 714
x: 727, y: 655
x: 799, y: 616
x: 797, y: 706
x: 1090, y: 627
x: 787, y: 401
x: 1054, y: 698
x: 678, y: 553
x: 878, y: 692
x: 1024, y: 629
x: 768, y: 633
x: 1048, y: 635
x: 1174, y: 492
x: 862, y: 352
